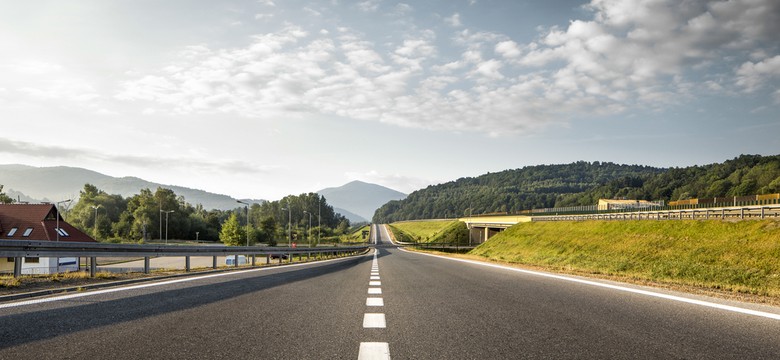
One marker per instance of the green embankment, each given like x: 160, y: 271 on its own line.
x: 441, y: 231
x: 356, y: 237
x: 740, y: 256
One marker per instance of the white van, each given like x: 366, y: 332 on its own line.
x: 230, y: 260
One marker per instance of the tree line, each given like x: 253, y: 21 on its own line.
x: 584, y: 183
x: 160, y: 215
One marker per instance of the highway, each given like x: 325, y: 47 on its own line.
x: 386, y: 304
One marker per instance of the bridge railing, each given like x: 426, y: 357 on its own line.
x: 20, y: 249
x: 694, y: 213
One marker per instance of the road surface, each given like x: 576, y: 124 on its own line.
x: 389, y: 303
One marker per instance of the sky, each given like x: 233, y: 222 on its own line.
x: 261, y: 99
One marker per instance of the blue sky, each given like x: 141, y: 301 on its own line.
x: 260, y: 99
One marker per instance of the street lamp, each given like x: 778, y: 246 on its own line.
x: 289, y: 223
x: 247, y: 220
x: 58, y: 218
x: 57, y: 206
x: 319, y: 218
x: 308, y: 231
x: 166, y: 223
x: 96, y: 208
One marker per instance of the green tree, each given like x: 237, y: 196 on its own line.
x: 230, y: 234
x: 96, y: 211
x: 5, y: 199
x: 268, y: 231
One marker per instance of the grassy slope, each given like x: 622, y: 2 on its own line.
x: 421, y: 231
x: 733, y: 256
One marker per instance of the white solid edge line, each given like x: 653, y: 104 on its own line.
x: 374, y: 351
x: 764, y: 314
x: 153, y: 284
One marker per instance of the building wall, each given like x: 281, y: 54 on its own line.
x: 39, y: 266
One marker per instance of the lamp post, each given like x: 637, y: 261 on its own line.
x: 96, y: 218
x: 289, y: 224
x: 57, y: 206
x: 319, y: 218
x: 58, y: 218
x: 166, y: 223
x: 246, y: 206
x: 308, y: 231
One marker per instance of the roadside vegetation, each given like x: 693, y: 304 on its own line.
x: 355, y: 236
x: 737, y: 257
x: 435, y: 231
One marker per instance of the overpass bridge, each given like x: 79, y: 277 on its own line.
x: 482, y: 228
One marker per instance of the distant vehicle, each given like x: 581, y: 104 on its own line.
x: 279, y: 255
x: 231, y: 260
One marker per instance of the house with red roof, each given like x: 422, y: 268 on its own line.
x: 38, y: 222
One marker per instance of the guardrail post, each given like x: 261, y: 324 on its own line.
x: 146, y: 265
x: 254, y: 258
x: 187, y: 264
x: 92, y: 266
x: 762, y: 212
x: 268, y: 259
x: 742, y: 213
x: 17, y: 267
x: 235, y: 260
x: 214, y: 262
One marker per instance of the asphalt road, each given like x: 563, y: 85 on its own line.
x: 430, y: 308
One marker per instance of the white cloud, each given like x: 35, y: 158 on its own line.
x: 508, y: 49
x: 454, y: 20
x: 369, y: 5
x: 752, y: 76
x: 402, y: 9
x: 630, y: 54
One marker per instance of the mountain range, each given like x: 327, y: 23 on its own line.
x: 356, y: 200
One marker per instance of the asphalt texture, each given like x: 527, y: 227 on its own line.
x: 434, y: 309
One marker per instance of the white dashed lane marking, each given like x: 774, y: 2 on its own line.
x: 374, y: 321
x: 374, y: 351
x: 374, y: 301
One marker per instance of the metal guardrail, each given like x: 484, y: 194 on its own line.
x: 20, y: 249
x: 738, y: 212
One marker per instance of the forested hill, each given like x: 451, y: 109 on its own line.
x: 583, y: 183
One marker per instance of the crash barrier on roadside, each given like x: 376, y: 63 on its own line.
x: 20, y: 249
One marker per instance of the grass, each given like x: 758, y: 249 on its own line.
x: 9, y: 282
x: 740, y: 257
x: 420, y: 231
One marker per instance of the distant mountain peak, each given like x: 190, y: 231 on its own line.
x: 360, y: 198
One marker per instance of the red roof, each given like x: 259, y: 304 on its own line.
x: 36, y: 222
